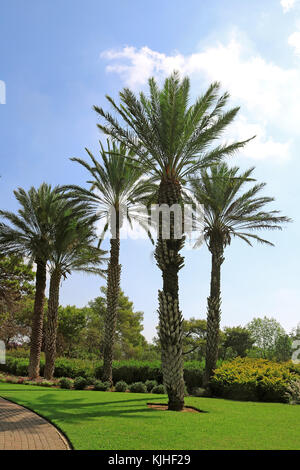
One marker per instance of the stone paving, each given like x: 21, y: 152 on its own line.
x: 21, y: 429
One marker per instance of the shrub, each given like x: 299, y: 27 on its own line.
x: 73, y: 368
x: 253, y: 379
x: 21, y: 352
x: 46, y: 383
x: 65, y: 383
x: 138, y: 387
x: 80, y: 383
x: 193, y: 377
x: 12, y: 380
x: 101, y: 386
x: 150, y: 384
x: 21, y: 367
x: 293, y: 392
x: 121, y: 386
x: 130, y: 371
x: 160, y: 389
x: 90, y: 380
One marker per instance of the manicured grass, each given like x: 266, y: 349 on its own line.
x: 117, y: 421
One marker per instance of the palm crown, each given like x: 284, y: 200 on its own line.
x: 74, y: 242
x: 171, y: 138
x: 117, y: 184
x: 229, y: 214
x: 31, y: 230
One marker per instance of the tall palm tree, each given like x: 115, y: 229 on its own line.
x: 73, y: 250
x: 228, y: 213
x: 30, y: 234
x: 171, y: 140
x: 117, y: 186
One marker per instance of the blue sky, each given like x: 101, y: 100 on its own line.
x: 60, y: 57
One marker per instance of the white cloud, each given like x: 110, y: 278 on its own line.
x: 263, y: 146
x: 294, y: 41
x: 287, y: 5
x: 265, y: 91
x: 143, y: 63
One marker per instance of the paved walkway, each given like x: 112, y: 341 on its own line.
x: 21, y: 429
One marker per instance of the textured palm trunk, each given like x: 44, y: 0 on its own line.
x: 170, y: 319
x: 37, y: 321
x: 213, y: 313
x: 112, y: 297
x: 51, y: 327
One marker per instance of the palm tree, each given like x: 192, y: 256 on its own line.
x: 170, y: 141
x: 73, y: 250
x: 30, y: 235
x: 117, y: 187
x: 228, y: 214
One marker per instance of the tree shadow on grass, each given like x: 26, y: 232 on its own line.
x: 78, y: 410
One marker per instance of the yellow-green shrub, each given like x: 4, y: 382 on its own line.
x: 254, y: 379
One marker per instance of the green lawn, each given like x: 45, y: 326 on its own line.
x: 110, y: 420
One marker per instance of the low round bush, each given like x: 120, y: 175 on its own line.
x: 12, y: 380
x: 101, y: 386
x: 121, y: 386
x: 138, y: 387
x: 80, y: 383
x: 150, y: 384
x: 46, y: 383
x: 160, y: 389
x: 90, y: 380
x: 65, y: 383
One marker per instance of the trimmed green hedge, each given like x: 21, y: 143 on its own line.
x: 130, y: 371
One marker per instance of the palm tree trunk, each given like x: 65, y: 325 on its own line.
x: 37, y: 321
x: 112, y: 297
x: 213, y: 314
x: 51, y: 327
x: 170, y: 319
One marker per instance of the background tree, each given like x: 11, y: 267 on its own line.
x: 129, y: 341
x: 12, y: 331
x: 283, y: 348
x: 81, y: 331
x: 170, y: 140
x: 16, y: 288
x: 228, y: 213
x: 194, y: 339
x: 30, y: 235
x: 16, y: 280
x: 238, y: 339
x: 71, y: 322
x: 265, y: 332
